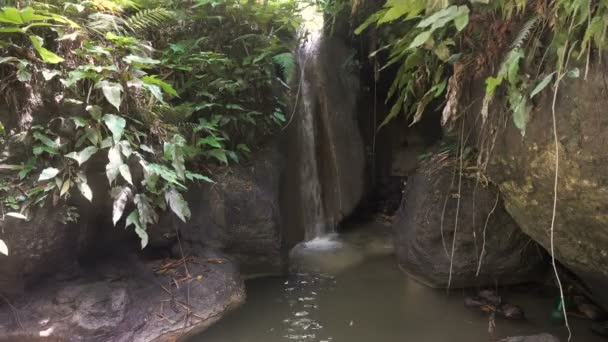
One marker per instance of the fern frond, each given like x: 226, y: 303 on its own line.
x: 104, y: 22
x: 150, y: 18
x: 287, y: 63
x: 524, y: 33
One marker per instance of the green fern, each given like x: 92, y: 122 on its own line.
x: 287, y: 63
x: 150, y: 18
x: 524, y: 33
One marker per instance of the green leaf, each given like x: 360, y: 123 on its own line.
x: 370, y: 20
x: 195, y: 176
x: 3, y: 247
x: 45, y: 54
x: 65, y: 188
x: 462, y: 20
x: 48, y: 173
x: 133, y: 219
x: 420, y: 39
x: 177, y: 204
x: 112, y: 91
x: 125, y: 173
x: 574, y: 73
x: 146, y: 212
x: 49, y: 74
x: 141, y: 60
x: 46, y: 140
x: 167, y: 88
x: 17, y: 215
x: 521, y: 110
x: 121, y: 197
x: 85, y: 190
x: 115, y: 161
x: 95, y: 111
x: 542, y: 85
x: 11, y: 15
x: 84, y: 155
x: 116, y: 125
x: 218, y: 154
x: 79, y: 122
x: 165, y: 173
x: 287, y: 63
x: 212, y: 141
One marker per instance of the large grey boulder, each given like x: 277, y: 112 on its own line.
x: 238, y: 214
x: 425, y: 230
x: 125, y: 303
x: 523, y: 167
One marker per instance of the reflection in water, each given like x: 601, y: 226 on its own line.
x: 373, y: 302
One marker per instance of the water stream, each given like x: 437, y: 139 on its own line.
x: 370, y: 300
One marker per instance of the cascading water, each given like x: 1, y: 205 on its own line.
x: 326, y: 154
x: 311, y: 191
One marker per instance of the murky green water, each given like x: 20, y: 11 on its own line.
x: 371, y: 302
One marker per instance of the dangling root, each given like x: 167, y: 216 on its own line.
x: 483, y: 246
x: 460, y: 168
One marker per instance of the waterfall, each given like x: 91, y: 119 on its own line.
x: 325, y: 148
x: 309, y: 175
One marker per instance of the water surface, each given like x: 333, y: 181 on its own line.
x: 374, y: 301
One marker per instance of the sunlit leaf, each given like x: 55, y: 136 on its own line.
x: 3, y: 247
x: 45, y: 54
x: 121, y: 197
x: 177, y: 204
x: 85, y: 190
x: 542, y: 85
x: 84, y: 155
x: 116, y: 125
x: 48, y: 173
x: 112, y: 92
x: 17, y: 215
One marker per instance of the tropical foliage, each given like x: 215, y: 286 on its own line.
x: 156, y: 91
x: 429, y: 40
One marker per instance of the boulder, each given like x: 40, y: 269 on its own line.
x: 424, y: 250
x: 42, y: 245
x: 532, y: 338
x: 524, y: 169
x: 238, y: 214
x: 123, y: 302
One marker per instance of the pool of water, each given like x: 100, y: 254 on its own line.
x: 373, y: 301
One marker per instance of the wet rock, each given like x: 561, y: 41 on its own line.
x: 511, y: 311
x: 524, y: 169
x: 239, y: 214
x: 600, y: 328
x: 117, y: 304
x: 532, y: 338
x: 588, y: 309
x: 40, y: 246
x: 424, y: 250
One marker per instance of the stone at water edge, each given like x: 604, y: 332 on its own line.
x: 115, y: 304
x: 532, y: 338
x: 422, y: 248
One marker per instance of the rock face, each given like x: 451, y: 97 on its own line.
x: 37, y: 247
x: 238, y: 214
x: 424, y: 251
x: 532, y: 338
x: 123, y: 303
x: 524, y: 169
